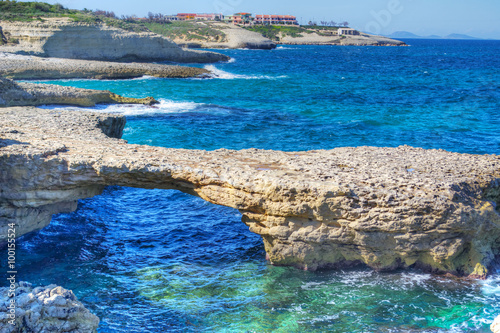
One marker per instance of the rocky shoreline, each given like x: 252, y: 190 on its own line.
x: 386, y: 208
x: 21, y: 67
x: 363, y: 39
x: 237, y: 37
x: 27, y: 94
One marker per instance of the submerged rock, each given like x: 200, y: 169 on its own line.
x: 19, y: 94
x: 44, y: 309
x: 383, y: 207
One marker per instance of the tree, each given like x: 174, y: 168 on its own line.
x: 345, y: 24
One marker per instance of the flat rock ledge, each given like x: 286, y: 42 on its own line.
x: 22, y: 67
x: 386, y: 208
x: 20, y: 94
x: 43, y: 310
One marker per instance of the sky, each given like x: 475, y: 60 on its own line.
x: 480, y: 18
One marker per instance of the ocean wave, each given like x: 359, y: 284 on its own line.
x: 165, y: 106
x: 491, y: 286
x: 286, y: 48
x: 220, y: 74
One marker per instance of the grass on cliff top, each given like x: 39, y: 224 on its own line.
x: 186, y: 30
x: 37, y: 11
x: 30, y: 11
x: 273, y: 31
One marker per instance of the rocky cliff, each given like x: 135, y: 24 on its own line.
x: 66, y: 39
x: 383, y: 207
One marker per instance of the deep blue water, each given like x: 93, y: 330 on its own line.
x: 162, y: 261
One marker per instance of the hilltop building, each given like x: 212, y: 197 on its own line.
x: 275, y: 19
x: 347, y: 31
x: 238, y: 18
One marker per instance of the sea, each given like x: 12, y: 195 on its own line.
x: 165, y: 261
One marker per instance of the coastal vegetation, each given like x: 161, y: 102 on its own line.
x: 40, y: 11
x: 30, y: 11
x: 187, y: 30
x: 275, y: 32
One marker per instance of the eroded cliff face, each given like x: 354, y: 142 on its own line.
x: 65, y: 39
x: 384, y: 207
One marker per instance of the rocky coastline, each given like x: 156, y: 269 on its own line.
x: 62, y: 38
x: 363, y: 39
x: 23, y: 94
x: 237, y: 37
x: 385, y: 208
x: 22, y: 67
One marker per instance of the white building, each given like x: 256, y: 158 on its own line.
x: 347, y: 31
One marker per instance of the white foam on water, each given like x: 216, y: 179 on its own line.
x: 327, y: 318
x: 311, y: 285
x: 220, y: 74
x: 165, y: 106
x: 230, y: 61
x: 491, y: 286
x: 286, y: 48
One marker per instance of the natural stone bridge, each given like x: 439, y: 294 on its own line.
x: 384, y: 207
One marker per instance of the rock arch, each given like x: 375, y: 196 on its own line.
x: 384, y: 207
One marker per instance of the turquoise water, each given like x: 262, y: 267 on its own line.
x: 163, y: 261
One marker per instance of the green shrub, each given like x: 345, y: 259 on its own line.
x: 188, y: 30
x: 29, y: 11
x: 272, y: 31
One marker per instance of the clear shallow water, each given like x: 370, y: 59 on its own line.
x: 153, y: 260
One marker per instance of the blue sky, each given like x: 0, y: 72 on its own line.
x: 480, y: 18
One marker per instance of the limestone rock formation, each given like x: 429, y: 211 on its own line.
x: 235, y: 38
x: 66, y: 39
x: 44, y: 309
x: 21, y: 67
x: 18, y: 94
x: 383, y: 207
x: 363, y: 39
